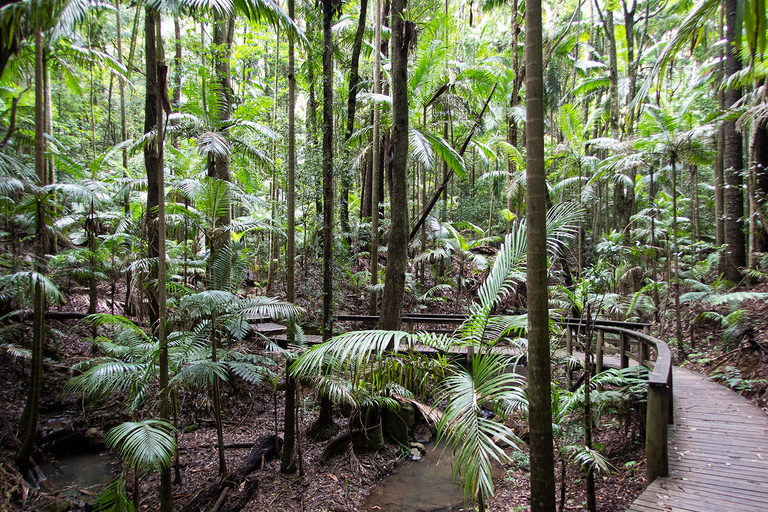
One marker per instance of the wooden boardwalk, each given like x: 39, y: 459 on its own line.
x: 718, y: 452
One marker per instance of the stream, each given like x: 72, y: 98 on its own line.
x: 77, y: 475
x: 424, y: 485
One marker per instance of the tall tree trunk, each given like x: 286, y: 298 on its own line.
x: 736, y: 255
x: 397, y: 248
x: 354, y: 79
x: 287, y: 460
x: 539, y: 387
x: 719, y: 158
x: 223, y: 34
x: 629, y: 30
x: 153, y: 161
x: 676, y: 258
x: 324, y: 426
x: 375, y: 168
x: 274, y: 189
x: 760, y: 158
x: 127, y: 309
x: 29, y: 416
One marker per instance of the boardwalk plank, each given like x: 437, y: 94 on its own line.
x: 718, y: 453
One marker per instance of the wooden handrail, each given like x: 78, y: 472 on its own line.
x: 659, y: 407
x: 659, y: 412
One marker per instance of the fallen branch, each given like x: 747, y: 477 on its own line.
x: 264, y: 449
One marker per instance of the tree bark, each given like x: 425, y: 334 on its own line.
x: 375, y: 170
x: 354, y: 79
x: 287, y: 460
x: 540, y: 408
x: 736, y: 256
x: 397, y: 248
x: 29, y: 416
x: 153, y: 161
x: 223, y: 35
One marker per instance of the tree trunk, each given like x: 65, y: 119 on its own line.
x: 324, y: 427
x: 736, y: 256
x: 153, y: 161
x: 354, y: 79
x: 539, y: 390
x: 223, y: 35
x: 375, y: 169
x: 288, y: 461
x: 29, y: 416
x: 397, y: 248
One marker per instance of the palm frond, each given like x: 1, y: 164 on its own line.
x: 144, y: 444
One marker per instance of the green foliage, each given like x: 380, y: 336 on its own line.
x: 146, y: 445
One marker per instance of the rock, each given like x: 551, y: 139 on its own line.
x: 56, y: 506
x: 415, y: 454
x: 420, y: 447
x: 398, y: 422
x: 422, y: 434
x: 95, y: 438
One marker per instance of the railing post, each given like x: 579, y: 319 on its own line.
x: 670, y: 399
x: 623, y: 350
x: 569, y: 340
x: 599, y: 351
x: 645, y: 352
x: 657, y: 462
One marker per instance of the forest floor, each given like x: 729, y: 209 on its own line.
x: 253, y: 412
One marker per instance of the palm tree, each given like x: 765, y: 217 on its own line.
x: 387, y: 362
x: 539, y: 392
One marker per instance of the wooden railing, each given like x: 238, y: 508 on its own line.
x: 629, y: 340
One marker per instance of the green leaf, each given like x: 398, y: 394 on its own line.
x: 146, y: 444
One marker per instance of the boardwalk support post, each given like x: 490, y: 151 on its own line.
x: 599, y: 351
x: 657, y: 462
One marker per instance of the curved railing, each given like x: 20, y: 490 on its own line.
x: 628, y: 341
x: 624, y: 340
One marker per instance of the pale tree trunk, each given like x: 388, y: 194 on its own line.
x: 375, y: 169
x: 539, y: 387
x: 397, y: 248
x: 127, y: 309
x: 274, y: 191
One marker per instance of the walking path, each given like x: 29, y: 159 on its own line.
x: 718, y: 452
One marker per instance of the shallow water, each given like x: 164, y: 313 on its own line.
x: 75, y: 475
x: 420, y: 485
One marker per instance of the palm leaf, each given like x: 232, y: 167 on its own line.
x: 145, y: 444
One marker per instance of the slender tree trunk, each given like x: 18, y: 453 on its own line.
x: 324, y: 426
x: 153, y: 161
x: 375, y: 168
x: 223, y: 35
x: 539, y: 390
x: 397, y: 248
x: 287, y: 460
x: 327, y: 170
x: 29, y: 416
x: 736, y: 256
x: 215, y: 391
x: 127, y: 309
x: 354, y: 79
